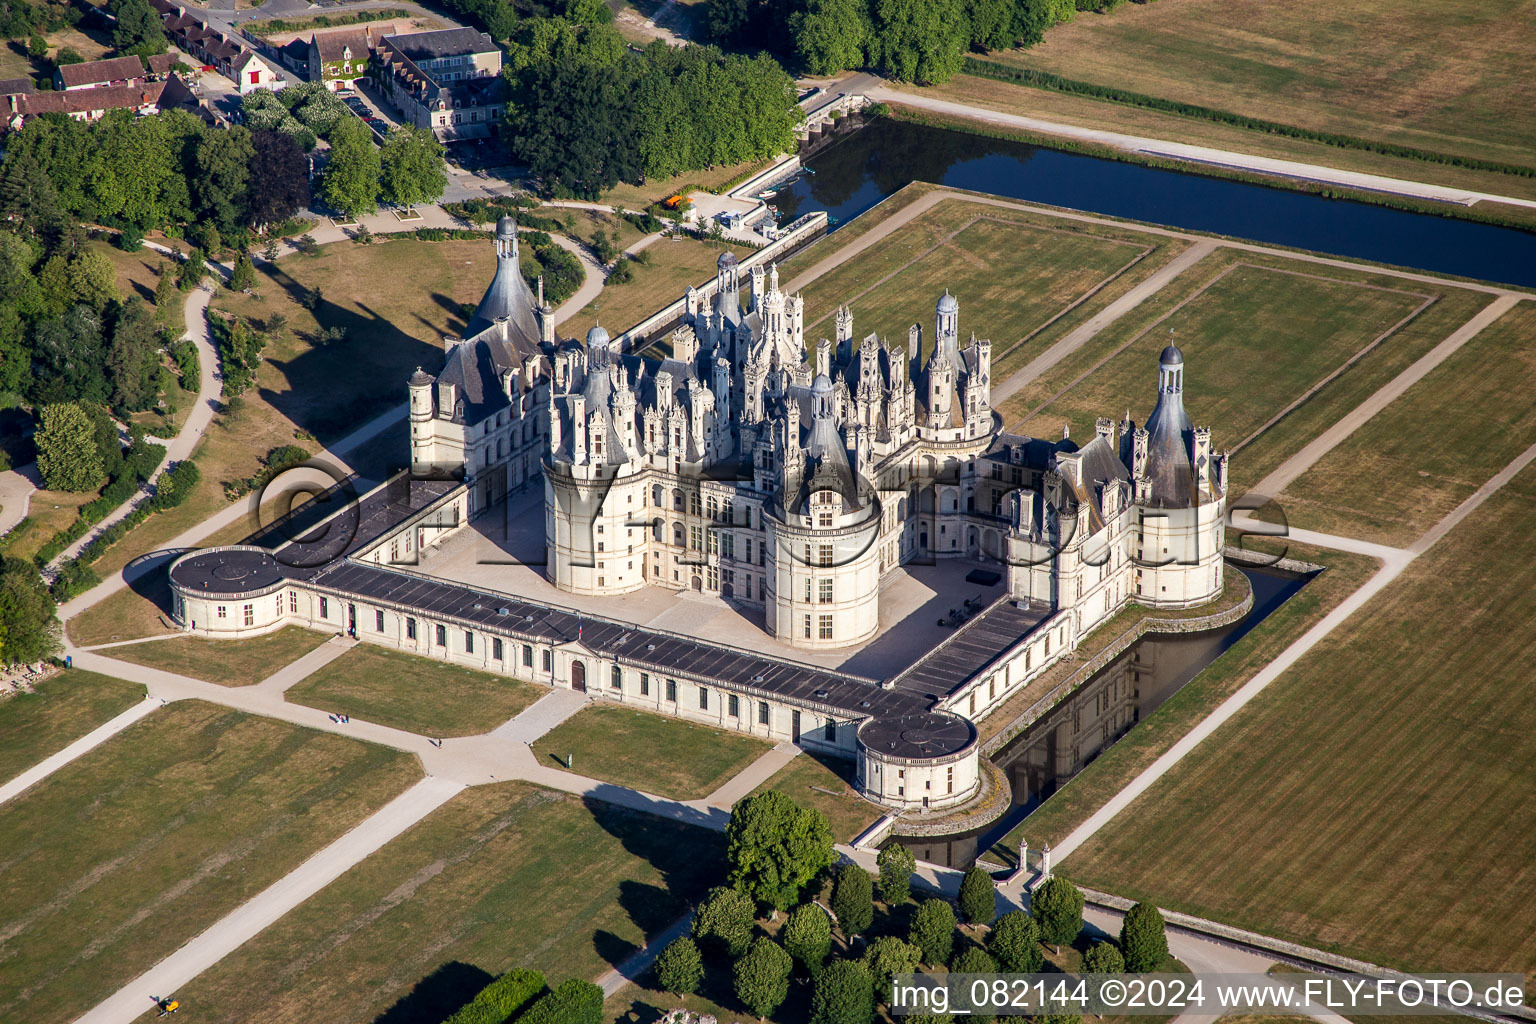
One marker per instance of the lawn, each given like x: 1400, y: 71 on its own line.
x: 58, y: 711
x: 123, y: 855
x: 638, y: 197
x: 1421, y: 456
x: 1253, y: 361
x: 675, y: 263
x: 414, y: 693
x: 240, y: 662
x: 502, y: 876
x: 1107, y: 774
x: 1010, y: 276
x: 47, y: 513
x: 649, y: 752
x: 1414, y: 73
x: 826, y: 785
x: 1375, y: 799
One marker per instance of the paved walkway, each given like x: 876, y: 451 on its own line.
x: 308, y: 665
x: 752, y: 776
x: 1390, y: 570
x: 638, y: 962
x: 1199, y: 154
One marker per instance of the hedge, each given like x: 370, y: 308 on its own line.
x: 573, y: 1002
x: 1056, y: 83
x: 502, y: 999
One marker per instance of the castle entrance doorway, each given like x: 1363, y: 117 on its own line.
x: 698, y: 584
x: 579, y: 676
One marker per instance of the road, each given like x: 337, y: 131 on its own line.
x: 1198, y: 154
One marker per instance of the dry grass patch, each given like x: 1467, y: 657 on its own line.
x: 47, y: 513
x: 1421, y: 456
x: 638, y: 197
x: 675, y: 263
x: 502, y: 876
x: 123, y: 855
x: 414, y: 693
x: 58, y: 711
x: 241, y: 662
x: 1410, y: 73
x: 649, y: 752
x: 1373, y: 800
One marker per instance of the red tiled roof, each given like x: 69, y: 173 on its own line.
x: 111, y: 97
x: 113, y: 69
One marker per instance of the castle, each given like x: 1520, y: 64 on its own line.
x: 790, y: 479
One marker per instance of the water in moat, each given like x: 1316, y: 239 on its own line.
x: 1067, y: 738
x: 861, y: 166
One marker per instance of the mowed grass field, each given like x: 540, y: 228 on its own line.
x: 242, y: 662
x: 1276, y: 350
x: 503, y: 875
x: 121, y: 856
x: 58, y: 711
x: 1421, y: 456
x: 827, y: 785
x: 1375, y: 800
x: 414, y: 693
x: 674, y: 265
x: 649, y: 752
x: 1449, y: 78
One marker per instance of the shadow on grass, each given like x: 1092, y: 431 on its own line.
x: 437, y: 996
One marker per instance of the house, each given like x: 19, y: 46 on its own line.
x: 100, y: 74
x: 339, y: 58
x: 447, y: 81
x: 85, y: 104
x: 250, y: 71
x: 160, y: 64
x: 15, y: 87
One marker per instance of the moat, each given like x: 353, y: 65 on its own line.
x: 861, y: 167
x: 1046, y: 755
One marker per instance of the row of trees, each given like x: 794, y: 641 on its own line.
x: 776, y: 850
x: 908, y: 40
x: 585, y: 112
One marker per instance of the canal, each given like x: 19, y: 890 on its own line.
x: 861, y: 167
x: 1047, y: 754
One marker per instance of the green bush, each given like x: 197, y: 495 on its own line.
x: 572, y: 1002
x: 502, y: 999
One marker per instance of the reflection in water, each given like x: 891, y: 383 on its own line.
x: 1067, y: 739
x: 865, y: 166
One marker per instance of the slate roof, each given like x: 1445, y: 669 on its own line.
x: 448, y: 42
x: 113, y: 69
x: 16, y: 87
x: 75, y: 101
x: 332, y: 44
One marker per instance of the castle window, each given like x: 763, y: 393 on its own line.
x: 824, y: 519
x: 527, y: 656
x: 378, y: 622
x: 677, y: 500
x: 807, y: 627
x: 469, y: 642
x: 410, y: 629
x: 645, y: 684
x: 496, y: 651
x: 549, y: 661
x: 762, y: 712
x: 442, y: 636
x: 695, y: 537
x: 733, y: 705
x: 825, y: 627
x: 277, y: 604
x: 325, y: 609
x: 826, y: 592
x: 807, y: 590
x: 831, y: 731
x: 672, y: 690
x: 826, y: 554
x: 616, y: 679
x: 250, y: 615
x: 293, y: 601
x: 703, y: 699
x: 950, y: 777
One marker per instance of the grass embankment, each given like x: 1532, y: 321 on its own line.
x: 507, y: 875
x: 649, y: 752
x: 414, y: 693
x: 58, y: 711
x: 118, y: 858
x: 242, y: 662
x: 1372, y: 801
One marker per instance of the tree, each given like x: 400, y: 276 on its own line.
x: 762, y: 976
x: 133, y: 358
x: 243, y: 277
x: 974, y: 960
x: 1103, y: 958
x: 222, y: 175
x: 67, y: 358
x: 67, y: 457
x: 165, y: 288
x: 808, y: 936
x: 29, y: 630
x: 279, y: 179
x: 139, y: 28
x: 93, y: 279
x: 774, y: 847
x: 896, y: 864
x: 933, y: 930
x: 726, y: 917
x: 411, y: 166
x: 351, y: 182
x: 978, y: 898
x: 1057, y: 907
x: 843, y: 994
x: 575, y: 129
x: 853, y: 899
x: 919, y: 41
x: 887, y: 957
x: 679, y: 969
x: 830, y: 35
x: 1015, y: 943
x: 1144, y: 938
x: 192, y: 270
